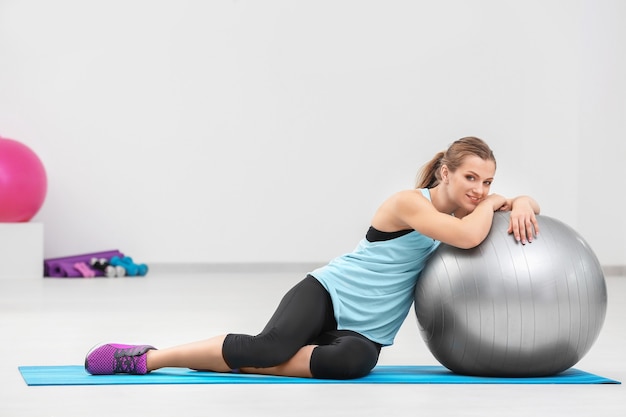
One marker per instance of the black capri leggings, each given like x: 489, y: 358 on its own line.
x: 304, y: 317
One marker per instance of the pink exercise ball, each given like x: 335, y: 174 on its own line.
x: 23, y: 182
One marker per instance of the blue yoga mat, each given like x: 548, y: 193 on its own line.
x: 76, y: 375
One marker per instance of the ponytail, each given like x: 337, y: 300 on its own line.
x: 428, y: 177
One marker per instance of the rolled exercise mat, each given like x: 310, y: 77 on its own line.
x: 64, y: 267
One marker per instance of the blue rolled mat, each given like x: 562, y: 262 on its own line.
x: 76, y: 375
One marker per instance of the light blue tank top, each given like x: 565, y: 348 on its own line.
x: 372, y: 288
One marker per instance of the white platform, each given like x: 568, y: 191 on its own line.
x: 21, y: 250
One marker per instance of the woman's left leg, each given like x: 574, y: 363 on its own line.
x: 281, y: 348
x: 201, y: 355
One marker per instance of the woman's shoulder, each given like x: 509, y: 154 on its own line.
x: 411, y: 197
x: 391, y: 214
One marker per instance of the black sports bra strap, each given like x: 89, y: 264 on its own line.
x: 375, y: 235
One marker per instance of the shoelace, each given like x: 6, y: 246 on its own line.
x: 126, y: 360
x: 126, y: 364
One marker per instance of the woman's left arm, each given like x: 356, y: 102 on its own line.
x: 523, y: 222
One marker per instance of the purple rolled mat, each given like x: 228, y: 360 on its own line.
x: 64, y: 267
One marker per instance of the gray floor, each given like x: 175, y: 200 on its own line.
x: 55, y: 322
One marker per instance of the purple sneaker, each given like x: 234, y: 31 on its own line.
x: 113, y: 358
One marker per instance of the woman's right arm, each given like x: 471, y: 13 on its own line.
x: 419, y: 214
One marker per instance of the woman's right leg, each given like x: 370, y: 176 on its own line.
x: 336, y: 354
x: 343, y: 354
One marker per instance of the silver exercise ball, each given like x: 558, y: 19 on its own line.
x: 505, y: 309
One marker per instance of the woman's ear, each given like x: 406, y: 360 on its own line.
x: 445, y: 172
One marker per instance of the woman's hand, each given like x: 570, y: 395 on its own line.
x: 523, y: 222
x: 497, y: 202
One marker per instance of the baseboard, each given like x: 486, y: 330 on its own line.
x: 614, y: 270
x: 234, y: 267
x: 269, y: 267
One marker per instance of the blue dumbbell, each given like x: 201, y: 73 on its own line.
x: 132, y: 269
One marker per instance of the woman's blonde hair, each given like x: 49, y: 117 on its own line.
x: 430, y: 174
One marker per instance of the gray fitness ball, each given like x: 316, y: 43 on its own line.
x: 505, y: 309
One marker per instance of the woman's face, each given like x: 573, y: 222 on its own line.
x: 470, y: 183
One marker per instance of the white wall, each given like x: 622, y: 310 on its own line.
x: 602, y: 129
x: 245, y: 131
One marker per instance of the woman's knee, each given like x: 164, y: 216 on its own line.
x: 347, y: 357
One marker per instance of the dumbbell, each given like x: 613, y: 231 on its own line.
x: 132, y: 269
x: 105, y: 266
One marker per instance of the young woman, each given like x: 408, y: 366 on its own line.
x: 334, y: 323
